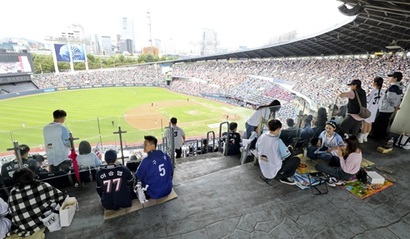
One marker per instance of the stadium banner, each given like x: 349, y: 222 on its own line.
x: 63, y: 53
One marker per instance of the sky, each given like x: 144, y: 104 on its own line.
x: 237, y: 23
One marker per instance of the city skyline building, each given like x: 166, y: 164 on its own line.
x: 209, y: 42
x: 128, y: 33
x: 106, y: 46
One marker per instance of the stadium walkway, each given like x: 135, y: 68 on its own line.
x: 218, y: 198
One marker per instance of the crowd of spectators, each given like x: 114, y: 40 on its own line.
x: 146, y: 74
x: 249, y: 82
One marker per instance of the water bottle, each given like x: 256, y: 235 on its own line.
x: 390, y: 143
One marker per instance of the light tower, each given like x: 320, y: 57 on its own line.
x: 149, y: 25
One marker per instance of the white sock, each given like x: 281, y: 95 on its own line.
x: 360, y: 138
x: 365, y: 137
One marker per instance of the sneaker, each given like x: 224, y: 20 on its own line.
x: 267, y: 180
x: 340, y: 183
x: 331, y: 182
x: 287, y: 181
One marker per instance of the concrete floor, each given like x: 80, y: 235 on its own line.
x: 218, y: 198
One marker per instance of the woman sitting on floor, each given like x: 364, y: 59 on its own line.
x: 346, y: 164
x: 327, y: 144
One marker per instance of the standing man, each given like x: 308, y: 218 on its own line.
x: 179, y: 136
x: 114, y: 183
x: 155, y: 171
x: 389, y: 104
x: 57, y: 142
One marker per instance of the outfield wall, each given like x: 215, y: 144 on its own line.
x: 33, y: 92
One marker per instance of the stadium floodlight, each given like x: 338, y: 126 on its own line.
x: 394, y: 46
x: 351, y: 11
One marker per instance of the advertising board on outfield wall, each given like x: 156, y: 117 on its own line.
x: 32, y: 92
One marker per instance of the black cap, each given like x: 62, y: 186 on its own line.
x: 397, y: 74
x: 357, y: 83
x: 24, y: 149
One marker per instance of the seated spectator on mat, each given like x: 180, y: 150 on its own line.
x: 275, y: 159
x: 8, y: 169
x: 289, y: 134
x: 327, y: 144
x: 115, y: 183
x: 87, y: 158
x: 155, y: 170
x: 347, y: 162
x: 29, y: 200
x: 234, y: 144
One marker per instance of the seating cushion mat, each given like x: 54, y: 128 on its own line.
x: 363, y: 191
x: 136, y: 205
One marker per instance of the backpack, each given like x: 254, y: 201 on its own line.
x: 361, y: 175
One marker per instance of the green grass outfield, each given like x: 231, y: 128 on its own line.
x: 23, y: 118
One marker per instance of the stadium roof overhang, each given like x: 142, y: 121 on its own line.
x: 379, y: 26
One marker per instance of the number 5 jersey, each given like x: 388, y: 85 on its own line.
x: 156, y: 171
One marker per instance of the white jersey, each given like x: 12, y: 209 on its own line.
x: 178, y: 136
x: 56, y: 142
x: 373, y: 100
x: 271, y: 152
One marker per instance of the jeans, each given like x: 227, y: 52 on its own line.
x: 311, y: 154
x: 336, y: 172
x: 249, y: 128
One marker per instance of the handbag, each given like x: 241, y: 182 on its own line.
x: 363, y: 112
x: 51, y: 218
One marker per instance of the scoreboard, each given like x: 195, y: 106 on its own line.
x: 15, y: 63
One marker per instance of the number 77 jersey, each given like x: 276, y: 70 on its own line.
x: 156, y: 171
x: 114, y: 185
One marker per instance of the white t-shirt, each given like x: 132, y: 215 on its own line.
x: 56, y: 142
x: 271, y: 152
x: 178, y: 136
x: 88, y: 160
x: 255, y: 118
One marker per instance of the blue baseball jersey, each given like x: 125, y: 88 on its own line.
x: 114, y: 185
x: 156, y: 171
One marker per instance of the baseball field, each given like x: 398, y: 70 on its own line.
x: 95, y: 114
